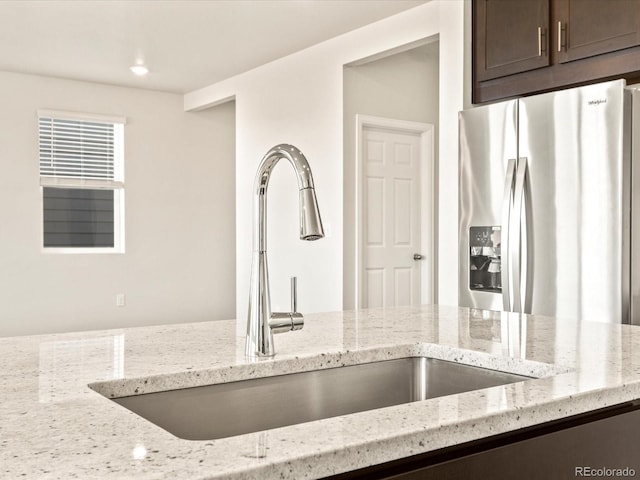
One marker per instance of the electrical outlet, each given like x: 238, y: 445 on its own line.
x: 120, y: 300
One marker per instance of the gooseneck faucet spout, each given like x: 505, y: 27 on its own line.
x: 261, y: 322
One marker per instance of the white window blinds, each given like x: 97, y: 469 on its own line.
x: 80, y: 149
x: 82, y: 177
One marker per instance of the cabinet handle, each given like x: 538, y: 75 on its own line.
x: 541, y: 48
x: 560, y: 29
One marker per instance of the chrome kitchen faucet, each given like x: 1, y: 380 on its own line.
x: 261, y: 322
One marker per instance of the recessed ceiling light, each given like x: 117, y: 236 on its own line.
x: 139, y: 69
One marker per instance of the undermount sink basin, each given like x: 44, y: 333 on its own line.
x: 224, y: 410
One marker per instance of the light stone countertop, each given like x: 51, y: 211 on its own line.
x: 53, y: 426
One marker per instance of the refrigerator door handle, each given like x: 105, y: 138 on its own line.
x: 507, y: 203
x: 516, y: 243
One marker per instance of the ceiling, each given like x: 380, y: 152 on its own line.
x: 186, y: 44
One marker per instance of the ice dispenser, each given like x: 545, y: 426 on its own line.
x: 484, y: 259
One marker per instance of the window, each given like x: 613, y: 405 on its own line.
x: 82, y: 182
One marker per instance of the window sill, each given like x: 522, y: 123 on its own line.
x: 82, y: 250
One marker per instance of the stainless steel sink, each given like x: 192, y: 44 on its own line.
x: 224, y: 410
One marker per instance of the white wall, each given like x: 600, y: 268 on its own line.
x: 179, y: 264
x: 298, y: 99
x: 402, y: 86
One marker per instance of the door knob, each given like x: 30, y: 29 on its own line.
x: 417, y: 256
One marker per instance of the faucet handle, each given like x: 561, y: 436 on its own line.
x: 294, y: 294
x: 297, y: 320
x: 281, y: 322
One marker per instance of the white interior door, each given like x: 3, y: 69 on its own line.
x: 391, y: 233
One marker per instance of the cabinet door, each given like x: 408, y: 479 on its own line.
x: 580, y: 451
x: 584, y: 28
x: 511, y: 36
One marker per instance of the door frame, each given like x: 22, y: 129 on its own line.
x: 426, y: 131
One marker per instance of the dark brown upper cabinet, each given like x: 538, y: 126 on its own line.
x: 521, y: 47
x: 511, y: 37
x: 584, y: 28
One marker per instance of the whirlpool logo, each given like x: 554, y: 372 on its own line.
x: 597, y: 102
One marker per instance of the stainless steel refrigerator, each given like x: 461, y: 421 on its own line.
x: 545, y: 204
